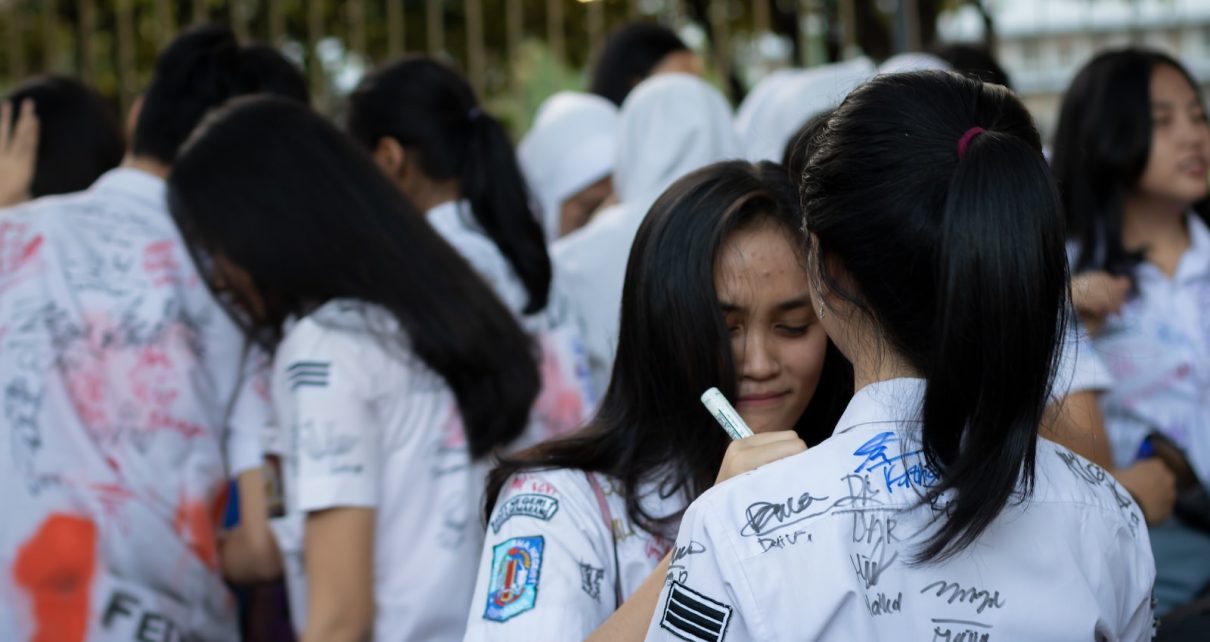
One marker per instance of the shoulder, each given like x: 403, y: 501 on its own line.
x: 354, y: 336
x: 1065, y: 480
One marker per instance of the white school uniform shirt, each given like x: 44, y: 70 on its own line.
x: 671, y: 124
x: 128, y: 404
x: 1157, y: 348
x: 367, y: 424
x: 548, y: 570
x: 568, y: 396
x: 817, y: 547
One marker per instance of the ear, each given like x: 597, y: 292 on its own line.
x: 390, y: 157
x: 132, y: 118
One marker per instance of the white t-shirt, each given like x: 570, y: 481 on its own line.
x: 567, y: 397
x: 817, y: 547
x: 366, y: 424
x: 119, y: 374
x: 548, y: 570
x: 1157, y: 348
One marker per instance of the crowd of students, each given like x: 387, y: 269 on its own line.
x: 446, y: 388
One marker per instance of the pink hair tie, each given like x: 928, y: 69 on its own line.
x: 966, y: 139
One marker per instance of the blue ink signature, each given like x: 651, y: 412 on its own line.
x: 902, y: 471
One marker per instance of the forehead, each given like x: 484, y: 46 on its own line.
x: 1169, y: 85
x: 760, y: 262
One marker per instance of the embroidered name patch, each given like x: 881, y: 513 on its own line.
x: 513, y: 585
x: 689, y: 615
x: 541, y: 507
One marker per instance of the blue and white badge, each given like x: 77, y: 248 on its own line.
x: 513, y: 586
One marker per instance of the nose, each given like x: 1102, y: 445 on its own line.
x: 758, y: 361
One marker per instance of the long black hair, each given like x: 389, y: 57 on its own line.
x: 79, y: 138
x: 1101, y: 147
x: 430, y: 109
x: 674, y: 344
x: 959, y: 261
x: 274, y: 188
x: 629, y: 55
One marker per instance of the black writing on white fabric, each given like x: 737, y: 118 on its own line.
x: 692, y: 616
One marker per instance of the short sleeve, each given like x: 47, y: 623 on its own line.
x: 707, y: 598
x: 546, y: 571
x: 251, y: 415
x: 335, y: 431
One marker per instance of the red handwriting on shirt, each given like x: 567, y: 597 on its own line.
x: 160, y: 264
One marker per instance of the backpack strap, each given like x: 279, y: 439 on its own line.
x: 607, y: 515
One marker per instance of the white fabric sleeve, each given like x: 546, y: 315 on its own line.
x: 251, y: 414
x: 708, y: 598
x: 337, y: 434
x: 547, y: 569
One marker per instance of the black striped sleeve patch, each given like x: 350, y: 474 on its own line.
x: 308, y: 373
x: 689, y: 615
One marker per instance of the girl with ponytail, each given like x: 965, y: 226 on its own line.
x: 934, y: 511
x: 453, y: 160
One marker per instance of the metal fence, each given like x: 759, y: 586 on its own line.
x: 112, y: 43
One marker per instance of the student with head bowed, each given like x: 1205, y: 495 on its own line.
x: 715, y: 296
x: 1131, y: 156
x: 671, y: 125
x: 934, y: 511
x: 130, y: 396
x: 428, y: 133
x: 394, y: 366
x: 568, y: 159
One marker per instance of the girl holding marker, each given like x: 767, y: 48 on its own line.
x: 714, y: 296
x: 933, y: 511
x: 395, y: 367
x: 1132, y: 169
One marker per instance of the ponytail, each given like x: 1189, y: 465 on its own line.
x: 431, y: 110
x: 493, y: 183
x: 996, y: 263
x: 952, y: 246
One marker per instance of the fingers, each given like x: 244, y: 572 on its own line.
x: 6, y: 117
x: 24, y: 140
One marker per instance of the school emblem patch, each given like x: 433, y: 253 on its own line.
x: 513, y: 585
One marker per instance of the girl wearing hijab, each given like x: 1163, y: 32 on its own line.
x: 568, y: 159
x: 454, y: 161
x: 933, y: 511
x: 671, y: 125
x: 1131, y: 154
x: 716, y: 295
x: 394, y: 366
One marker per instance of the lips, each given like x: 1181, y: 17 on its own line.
x: 762, y: 397
x: 1194, y: 166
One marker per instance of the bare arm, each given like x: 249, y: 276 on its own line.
x: 249, y: 552
x: 339, y: 557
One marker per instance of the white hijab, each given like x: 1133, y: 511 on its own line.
x: 796, y: 100
x: 671, y: 124
x: 569, y: 147
x: 913, y: 61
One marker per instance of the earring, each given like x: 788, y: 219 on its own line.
x: 821, y: 309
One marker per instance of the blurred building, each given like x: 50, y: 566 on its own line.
x: 1043, y: 43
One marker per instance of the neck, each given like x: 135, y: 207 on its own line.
x: 1153, y: 224
x: 881, y: 364
x: 146, y: 164
x: 432, y: 193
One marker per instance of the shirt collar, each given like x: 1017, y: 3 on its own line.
x: 892, y: 401
x: 1195, y: 263
x: 132, y: 182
